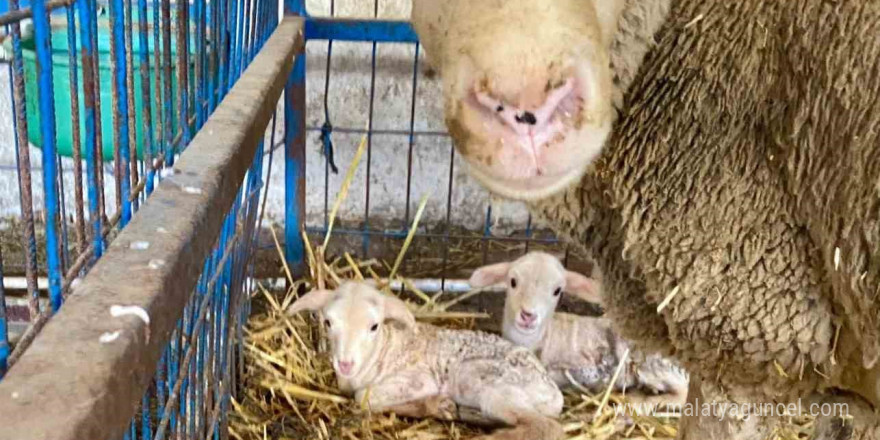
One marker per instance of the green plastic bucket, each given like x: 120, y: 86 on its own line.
x: 62, y: 92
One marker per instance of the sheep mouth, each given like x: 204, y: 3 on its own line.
x: 527, y: 188
x: 527, y: 328
x: 347, y: 374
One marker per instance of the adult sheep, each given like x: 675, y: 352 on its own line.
x: 740, y: 186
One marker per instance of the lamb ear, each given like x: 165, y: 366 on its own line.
x: 582, y: 287
x: 313, y: 300
x: 396, y: 309
x: 488, y: 275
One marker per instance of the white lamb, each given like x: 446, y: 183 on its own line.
x: 580, y: 349
x: 420, y: 370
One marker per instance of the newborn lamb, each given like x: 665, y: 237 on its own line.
x: 421, y: 370
x: 580, y: 349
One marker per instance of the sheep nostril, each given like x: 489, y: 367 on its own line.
x: 345, y: 366
x: 526, y: 118
x: 527, y: 316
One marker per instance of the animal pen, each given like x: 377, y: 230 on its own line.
x: 145, y: 137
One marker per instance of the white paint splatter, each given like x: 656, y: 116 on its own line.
x: 117, y: 311
x: 161, y: 230
x: 836, y: 258
x: 192, y: 190
x: 15, y: 395
x: 166, y: 172
x: 108, y: 337
x: 140, y: 245
x: 157, y: 264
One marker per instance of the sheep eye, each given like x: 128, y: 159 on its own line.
x: 558, y: 291
x: 327, y: 323
x: 374, y: 327
x: 513, y: 283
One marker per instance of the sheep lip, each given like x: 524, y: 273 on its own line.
x: 525, y: 189
x: 527, y: 328
x: 344, y: 374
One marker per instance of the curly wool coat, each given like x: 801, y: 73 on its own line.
x: 743, y: 180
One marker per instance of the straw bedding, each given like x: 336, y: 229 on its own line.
x: 288, y: 389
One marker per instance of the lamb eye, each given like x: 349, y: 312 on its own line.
x: 558, y: 291
x: 327, y: 323
x: 374, y: 327
x: 513, y: 283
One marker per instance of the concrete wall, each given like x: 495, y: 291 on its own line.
x: 349, y: 104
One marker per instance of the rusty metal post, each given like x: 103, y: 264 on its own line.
x: 80, y: 222
x: 28, y: 233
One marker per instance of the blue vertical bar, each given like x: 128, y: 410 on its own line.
x: 172, y: 373
x: 144, y: 55
x: 122, y: 107
x: 239, y: 18
x: 168, y: 102
x: 42, y: 34
x: 146, y: 428
x: 233, y: 49
x: 160, y: 385
x: 214, y: 64
x: 201, y: 36
x: 224, y: 317
x: 85, y: 29
x: 4, y: 333
x: 215, y: 344
x: 295, y: 155
x: 157, y: 57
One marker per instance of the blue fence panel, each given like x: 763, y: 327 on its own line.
x: 371, y: 31
x: 111, y: 91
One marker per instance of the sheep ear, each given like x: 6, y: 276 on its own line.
x: 313, y: 300
x: 396, y: 309
x: 582, y: 287
x: 488, y: 275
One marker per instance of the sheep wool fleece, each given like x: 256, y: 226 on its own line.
x: 743, y: 181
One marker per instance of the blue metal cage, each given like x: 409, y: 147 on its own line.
x: 184, y: 58
x: 371, y: 32
x: 172, y: 65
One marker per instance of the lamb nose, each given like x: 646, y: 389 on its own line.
x: 526, y: 118
x: 527, y: 316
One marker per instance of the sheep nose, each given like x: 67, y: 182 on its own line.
x: 527, y: 316
x: 345, y: 366
x: 530, y: 116
x: 526, y: 118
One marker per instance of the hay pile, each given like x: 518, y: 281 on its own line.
x: 288, y: 390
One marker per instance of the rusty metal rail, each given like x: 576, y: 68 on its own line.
x: 91, y: 386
